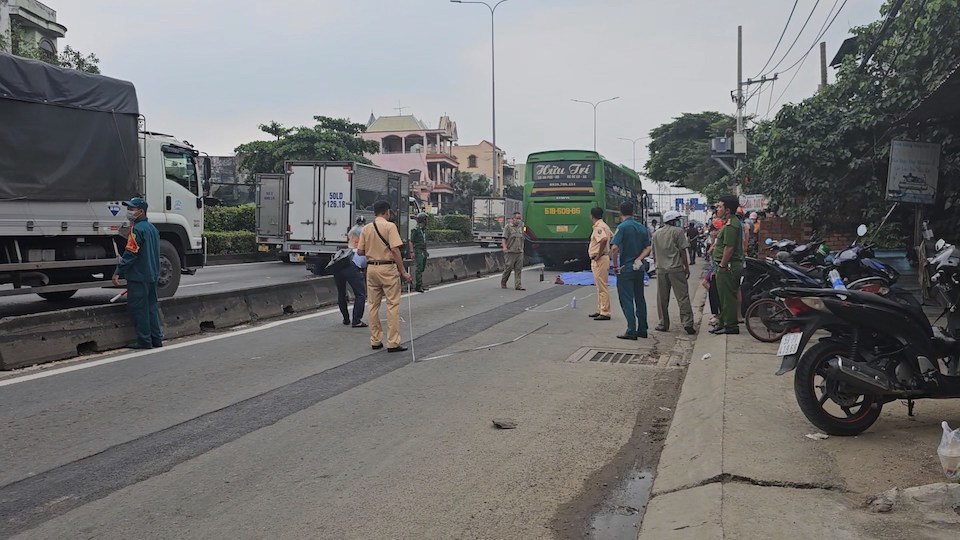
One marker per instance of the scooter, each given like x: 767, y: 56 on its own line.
x: 878, y: 349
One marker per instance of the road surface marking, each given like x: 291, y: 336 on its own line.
x: 127, y: 356
x: 200, y: 284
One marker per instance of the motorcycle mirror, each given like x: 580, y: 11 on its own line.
x: 940, y: 243
x: 862, y: 230
x: 768, y: 241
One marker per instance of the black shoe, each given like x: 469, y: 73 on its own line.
x: 594, y: 315
x: 377, y: 347
x: 642, y: 335
x: 727, y: 330
x: 139, y: 346
x: 602, y: 318
x: 157, y: 344
x: 400, y: 348
x: 420, y: 290
x: 346, y: 322
x: 632, y: 337
x: 360, y: 324
x: 690, y: 330
x: 661, y: 328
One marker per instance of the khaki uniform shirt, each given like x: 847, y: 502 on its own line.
x: 514, y: 238
x: 371, y: 244
x: 601, y: 231
x: 668, y: 242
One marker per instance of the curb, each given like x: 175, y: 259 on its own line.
x: 59, y: 335
x: 685, y: 501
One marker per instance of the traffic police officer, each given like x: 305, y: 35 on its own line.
x: 419, y: 239
x: 140, y: 266
x: 728, y: 257
x: 380, y: 242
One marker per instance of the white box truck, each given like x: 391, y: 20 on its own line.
x: 322, y: 200
x: 490, y: 215
x: 72, y: 149
x: 271, y: 221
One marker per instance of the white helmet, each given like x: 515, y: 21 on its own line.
x: 670, y: 215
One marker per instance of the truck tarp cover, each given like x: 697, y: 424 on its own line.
x: 65, y: 135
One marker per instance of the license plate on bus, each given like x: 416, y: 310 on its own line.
x: 263, y: 247
x: 790, y: 344
x: 563, y: 228
x: 295, y: 258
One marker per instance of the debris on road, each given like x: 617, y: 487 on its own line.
x: 817, y: 436
x: 665, y: 409
x: 706, y: 357
x: 505, y: 423
x: 883, y: 502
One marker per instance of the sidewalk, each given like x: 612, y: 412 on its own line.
x: 737, y: 462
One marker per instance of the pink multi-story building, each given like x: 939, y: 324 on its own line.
x: 408, y: 145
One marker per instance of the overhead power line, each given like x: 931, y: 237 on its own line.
x: 796, y: 39
x: 783, y: 33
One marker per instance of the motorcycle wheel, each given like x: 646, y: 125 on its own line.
x: 833, y: 406
x: 765, y: 320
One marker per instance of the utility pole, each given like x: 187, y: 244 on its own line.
x: 823, y: 65
x: 740, y: 103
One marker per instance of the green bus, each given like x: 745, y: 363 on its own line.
x: 560, y: 188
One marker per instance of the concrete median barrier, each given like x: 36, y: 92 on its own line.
x: 47, y: 337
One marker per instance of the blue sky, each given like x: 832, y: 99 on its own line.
x: 210, y: 70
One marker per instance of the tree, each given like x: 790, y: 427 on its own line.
x: 513, y: 192
x: 680, y: 152
x: 333, y: 139
x: 465, y: 187
x: 15, y: 42
x: 825, y: 159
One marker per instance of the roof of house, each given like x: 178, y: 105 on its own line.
x: 943, y: 102
x: 847, y: 48
x: 397, y: 123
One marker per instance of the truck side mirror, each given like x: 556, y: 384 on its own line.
x: 206, y: 168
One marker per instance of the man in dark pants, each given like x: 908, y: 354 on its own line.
x: 692, y: 235
x: 140, y: 266
x: 351, y: 275
x: 513, y: 252
x: 631, y: 243
x: 728, y: 256
x: 419, y: 240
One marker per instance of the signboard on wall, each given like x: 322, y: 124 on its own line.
x: 753, y: 203
x: 914, y: 171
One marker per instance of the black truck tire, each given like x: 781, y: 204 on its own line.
x: 57, y: 296
x: 170, y: 270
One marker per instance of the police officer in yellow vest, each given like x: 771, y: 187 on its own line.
x: 380, y: 242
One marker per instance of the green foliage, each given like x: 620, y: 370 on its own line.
x: 465, y: 187
x: 446, y: 236
x: 457, y: 222
x: 330, y: 139
x: 230, y: 218
x: 680, y: 152
x: 15, y: 42
x: 825, y: 159
x: 230, y: 242
x: 513, y: 192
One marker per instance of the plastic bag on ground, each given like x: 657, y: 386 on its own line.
x: 949, y: 452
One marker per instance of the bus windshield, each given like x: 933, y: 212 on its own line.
x: 569, y: 177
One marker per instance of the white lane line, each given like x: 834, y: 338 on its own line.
x: 231, y: 265
x: 127, y: 356
x: 200, y: 284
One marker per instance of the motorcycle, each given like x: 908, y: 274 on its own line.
x: 879, y: 349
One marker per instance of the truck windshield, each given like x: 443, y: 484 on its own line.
x: 179, y: 166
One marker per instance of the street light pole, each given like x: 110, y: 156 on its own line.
x: 594, y: 105
x: 634, y: 143
x: 497, y: 185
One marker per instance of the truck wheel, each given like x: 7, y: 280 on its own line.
x: 170, y: 270
x: 57, y: 296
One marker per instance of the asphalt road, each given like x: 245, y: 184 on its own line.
x: 297, y: 429
x: 212, y: 279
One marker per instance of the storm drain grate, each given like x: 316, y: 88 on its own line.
x: 613, y: 356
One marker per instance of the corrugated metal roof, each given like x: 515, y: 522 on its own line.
x: 942, y: 103
x: 396, y: 123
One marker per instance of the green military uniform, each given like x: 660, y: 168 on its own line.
x: 140, y: 266
x: 669, y: 242
x: 731, y: 234
x: 419, y: 239
x: 513, y: 258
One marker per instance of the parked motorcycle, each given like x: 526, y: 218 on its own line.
x: 878, y: 349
